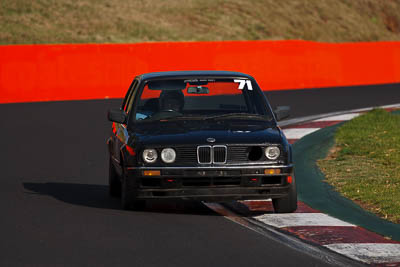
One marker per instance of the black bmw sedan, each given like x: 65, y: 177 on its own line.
x: 206, y: 135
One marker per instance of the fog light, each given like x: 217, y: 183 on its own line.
x: 151, y: 173
x: 272, y: 171
x: 171, y: 182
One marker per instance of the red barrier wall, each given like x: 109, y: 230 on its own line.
x: 93, y: 71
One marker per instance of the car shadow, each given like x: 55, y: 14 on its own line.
x: 96, y: 196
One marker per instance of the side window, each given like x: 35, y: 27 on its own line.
x: 131, y: 98
x: 127, y: 100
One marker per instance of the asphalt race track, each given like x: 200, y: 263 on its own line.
x: 55, y: 209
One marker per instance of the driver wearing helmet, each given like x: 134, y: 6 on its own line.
x: 172, y: 100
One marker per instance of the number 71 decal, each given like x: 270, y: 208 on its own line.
x: 242, y: 83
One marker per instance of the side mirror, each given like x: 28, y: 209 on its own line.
x: 117, y: 115
x: 282, y: 112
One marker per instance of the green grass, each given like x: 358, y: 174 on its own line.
x: 129, y: 21
x: 364, y: 165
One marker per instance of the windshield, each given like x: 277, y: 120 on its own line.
x: 201, y: 99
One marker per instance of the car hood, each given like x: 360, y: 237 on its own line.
x: 197, y: 132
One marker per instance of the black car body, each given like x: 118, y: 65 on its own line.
x: 206, y: 135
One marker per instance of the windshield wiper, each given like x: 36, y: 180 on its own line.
x: 183, y: 117
x: 174, y: 118
x: 239, y: 116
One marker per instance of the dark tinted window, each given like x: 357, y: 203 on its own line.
x: 200, y: 98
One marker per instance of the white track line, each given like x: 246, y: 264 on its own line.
x: 300, y: 219
x: 369, y: 252
x: 343, y: 117
x: 297, y: 133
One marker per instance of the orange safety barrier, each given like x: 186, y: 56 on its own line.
x: 95, y: 71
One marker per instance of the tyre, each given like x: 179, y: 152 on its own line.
x: 128, y: 198
x: 114, y: 182
x: 288, y: 203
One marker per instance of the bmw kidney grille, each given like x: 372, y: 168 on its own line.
x: 211, y: 154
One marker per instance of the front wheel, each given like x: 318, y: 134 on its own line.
x: 114, y: 182
x: 128, y: 198
x: 288, y: 203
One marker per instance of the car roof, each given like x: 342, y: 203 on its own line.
x: 182, y: 74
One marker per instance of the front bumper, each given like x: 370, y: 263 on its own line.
x: 218, y: 183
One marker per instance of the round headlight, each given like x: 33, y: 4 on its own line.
x: 150, y: 155
x: 272, y: 152
x: 168, y: 155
